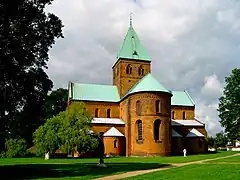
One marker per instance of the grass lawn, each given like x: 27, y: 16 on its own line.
x: 235, y: 159
x: 195, y: 172
x: 37, y: 168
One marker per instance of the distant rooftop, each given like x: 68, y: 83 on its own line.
x: 181, y: 98
x: 94, y: 92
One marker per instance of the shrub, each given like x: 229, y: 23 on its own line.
x: 16, y: 147
x: 2, y: 154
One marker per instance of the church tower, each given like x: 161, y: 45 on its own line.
x: 132, y: 64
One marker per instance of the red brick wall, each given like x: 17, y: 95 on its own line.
x: 177, y: 148
x: 109, y: 146
x: 148, y: 116
x: 125, y: 81
x: 102, y: 108
x: 189, y: 112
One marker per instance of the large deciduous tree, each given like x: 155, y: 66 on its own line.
x: 229, y: 106
x: 68, y: 131
x: 26, y: 35
x: 56, y: 102
x: 220, y: 140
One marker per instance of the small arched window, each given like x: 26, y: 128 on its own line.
x: 139, y: 131
x: 108, y: 113
x: 156, y: 131
x: 158, y: 106
x: 96, y: 112
x: 115, y: 143
x: 140, y: 71
x: 184, y: 115
x: 173, y: 114
x: 138, y: 108
x: 129, y: 69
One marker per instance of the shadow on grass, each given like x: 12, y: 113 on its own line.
x: 79, y: 170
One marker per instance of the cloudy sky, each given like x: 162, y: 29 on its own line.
x: 194, y: 44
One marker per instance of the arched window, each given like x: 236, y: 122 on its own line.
x: 138, y: 108
x: 184, y: 115
x: 129, y: 69
x: 108, y: 113
x: 96, y: 112
x: 140, y: 71
x: 139, y: 131
x: 156, y: 131
x: 173, y: 114
x: 115, y: 143
x: 158, y: 106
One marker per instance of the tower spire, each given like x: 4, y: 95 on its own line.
x: 131, y: 19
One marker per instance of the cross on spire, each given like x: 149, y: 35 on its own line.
x: 130, y: 19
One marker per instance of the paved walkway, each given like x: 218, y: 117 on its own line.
x: 140, y: 172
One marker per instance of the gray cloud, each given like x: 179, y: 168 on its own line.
x: 188, y: 40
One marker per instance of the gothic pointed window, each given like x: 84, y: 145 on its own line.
x: 129, y: 69
x: 139, y: 131
x: 156, y: 129
x: 158, y: 106
x: 138, y: 108
x: 96, y: 112
x: 108, y: 113
x: 140, y: 71
x: 173, y: 114
x: 184, y: 115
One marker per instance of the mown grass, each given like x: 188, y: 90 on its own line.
x: 37, y: 168
x: 234, y: 159
x: 195, y: 172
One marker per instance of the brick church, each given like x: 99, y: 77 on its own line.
x: 137, y: 114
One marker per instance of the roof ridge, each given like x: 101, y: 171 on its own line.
x: 113, y: 132
x: 198, y: 120
x: 95, y: 84
x: 147, y: 84
x: 194, y: 132
x: 131, y: 44
x: 189, y: 97
x: 135, y: 85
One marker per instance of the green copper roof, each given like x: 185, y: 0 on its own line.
x: 148, y: 83
x: 93, y: 92
x: 181, y: 98
x: 132, y: 47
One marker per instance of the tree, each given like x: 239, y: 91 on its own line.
x: 68, y: 131
x: 56, y: 102
x: 221, y: 140
x: 229, y: 105
x: 16, y: 147
x: 26, y: 35
x: 211, y: 141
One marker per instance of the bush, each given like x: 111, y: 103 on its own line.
x: 16, y: 147
x: 3, y: 154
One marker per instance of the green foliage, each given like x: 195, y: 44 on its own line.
x: 46, y: 137
x: 27, y: 33
x: 56, y: 102
x: 229, y: 105
x: 69, y: 131
x: 211, y: 141
x: 15, y: 148
x: 221, y: 140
